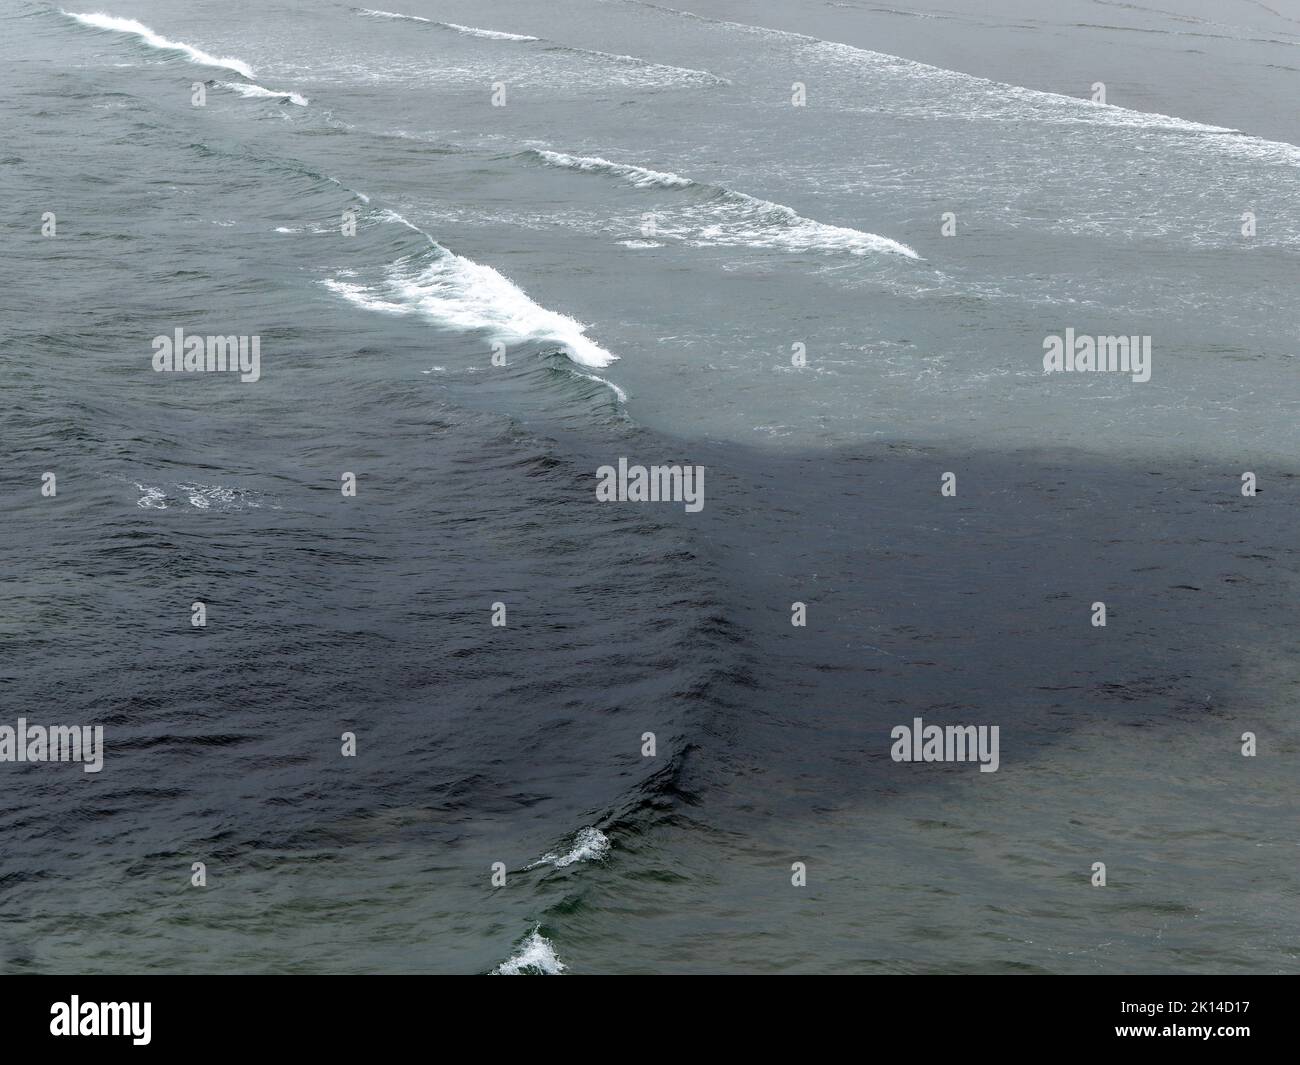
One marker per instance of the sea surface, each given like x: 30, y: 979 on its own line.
x: 650, y: 216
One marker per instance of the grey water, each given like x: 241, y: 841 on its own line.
x: 490, y: 246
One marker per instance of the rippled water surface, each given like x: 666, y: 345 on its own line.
x: 620, y: 260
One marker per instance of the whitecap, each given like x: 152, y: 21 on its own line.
x: 154, y: 498
x: 101, y: 21
x: 732, y: 218
x: 200, y: 497
x: 492, y: 35
x: 456, y: 293
x: 535, y: 956
x: 638, y: 176
x: 469, y: 31
x: 260, y: 93
x: 738, y: 219
x: 589, y: 845
x: 619, y: 394
x: 968, y: 96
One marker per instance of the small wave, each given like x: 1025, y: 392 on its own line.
x: 644, y: 66
x: 739, y: 219
x: 590, y: 844
x: 619, y: 394
x: 732, y: 218
x: 492, y: 35
x: 258, y: 92
x: 311, y: 227
x: 971, y: 97
x: 101, y: 21
x: 460, y: 294
x: 535, y: 957
x: 469, y: 31
x: 393, y: 216
x: 663, y: 71
x: 637, y: 176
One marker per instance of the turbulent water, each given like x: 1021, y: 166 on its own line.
x: 631, y: 207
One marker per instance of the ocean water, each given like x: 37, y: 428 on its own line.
x: 623, y: 202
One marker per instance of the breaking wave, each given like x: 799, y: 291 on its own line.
x: 722, y: 216
x: 101, y: 21
x: 458, y: 294
x: 259, y: 92
x: 535, y: 957
x: 590, y: 844
x: 468, y: 31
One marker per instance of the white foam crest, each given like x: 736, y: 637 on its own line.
x: 1043, y: 105
x: 660, y: 72
x: 154, y: 498
x: 205, y: 496
x: 201, y: 497
x: 691, y: 74
x: 1049, y: 104
x: 619, y: 394
x: 469, y: 31
x: 733, y: 218
x: 311, y: 227
x: 99, y: 20
x: 364, y: 297
x: 536, y: 955
x: 739, y: 219
x: 492, y: 35
x: 259, y: 92
x: 981, y: 99
x: 590, y: 844
x: 457, y: 293
x: 638, y: 176
x: 393, y: 216
x: 392, y: 14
